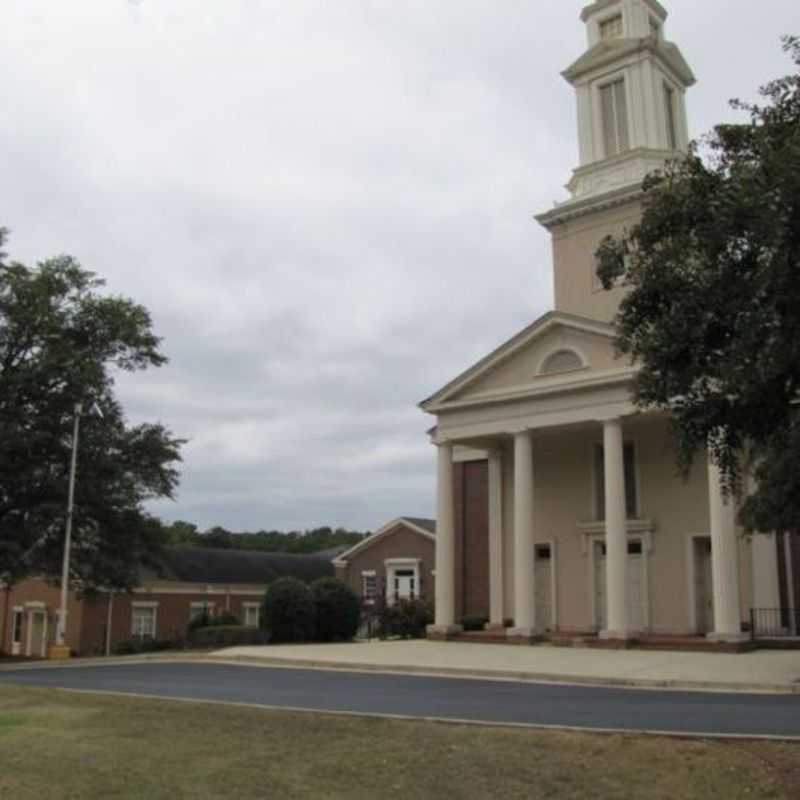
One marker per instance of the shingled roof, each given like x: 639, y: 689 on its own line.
x: 421, y: 522
x: 217, y: 565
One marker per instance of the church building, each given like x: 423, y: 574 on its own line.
x: 559, y: 510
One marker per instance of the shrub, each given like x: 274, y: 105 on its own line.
x: 227, y: 636
x: 289, y: 611
x: 206, y: 620
x: 337, y: 610
x: 474, y: 623
x: 405, y: 618
x: 144, y: 645
x: 226, y: 618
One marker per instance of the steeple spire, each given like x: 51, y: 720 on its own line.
x: 630, y: 86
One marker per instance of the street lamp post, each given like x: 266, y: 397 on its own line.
x: 61, y: 650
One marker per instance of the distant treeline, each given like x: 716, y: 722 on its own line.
x: 310, y: 541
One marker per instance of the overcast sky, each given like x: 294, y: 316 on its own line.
x: 326, y: 206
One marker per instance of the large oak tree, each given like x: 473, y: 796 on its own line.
x: 61, y: 341
x: 712, y: 314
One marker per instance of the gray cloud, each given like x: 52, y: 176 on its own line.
x: 326, y: 206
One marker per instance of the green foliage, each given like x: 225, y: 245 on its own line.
x: 227, y: 636
x: 309, y: 541
x: 338, y: 610
x: 181, y: 533
x: 711, y: 316
x: 145, y: 645
x: 407, y: 619
x: 289, y: 613
x: 61, y: 341
x: 207, y: 620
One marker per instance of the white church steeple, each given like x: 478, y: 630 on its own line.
x: 630, y: 87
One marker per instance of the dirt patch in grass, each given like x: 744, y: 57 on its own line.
x: 67, y: 745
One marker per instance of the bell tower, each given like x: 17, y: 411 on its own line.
x: 630, y: 87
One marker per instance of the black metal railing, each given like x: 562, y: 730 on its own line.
x: 774, y: 623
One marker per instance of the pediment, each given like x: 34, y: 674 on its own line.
x: 554, y: 348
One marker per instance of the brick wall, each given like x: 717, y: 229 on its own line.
x: 88, y: 617
x: 34, y: 591
x: 471, y: 496
x: 400, y: 542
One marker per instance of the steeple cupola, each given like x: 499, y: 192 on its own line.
x: 630, y: 87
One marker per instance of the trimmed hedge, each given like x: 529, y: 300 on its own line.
x: 145, y: 645
x: 227, y: 636
x: 289, y: 613
x: 206, y: 620
x: 338, y: 610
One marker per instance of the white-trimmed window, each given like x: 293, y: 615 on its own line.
x: 611, y: 28
x: 144, y: 620
x: 669, y: 116
x: 198, y: 608
x: 402, y: 579
x: 561, y: 361
x: 614, y: 114
x: 631, y: 487
x: 369, y: 586
x: 251, y: 613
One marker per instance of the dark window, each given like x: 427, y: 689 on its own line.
x: 16, y: 634
x: 630, y: 481
x: 543, y: 551
x: 634, y: 548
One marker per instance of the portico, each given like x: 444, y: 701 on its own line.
x: 607, y: 549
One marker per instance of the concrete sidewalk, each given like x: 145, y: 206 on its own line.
x: 759, y: 671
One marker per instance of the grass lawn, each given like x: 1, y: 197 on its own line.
x: 56, y: 744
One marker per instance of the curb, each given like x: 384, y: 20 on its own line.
x: 512, y: 675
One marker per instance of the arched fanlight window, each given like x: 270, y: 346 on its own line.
x: 562, y: 361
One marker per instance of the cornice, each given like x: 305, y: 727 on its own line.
x: 572, y: 209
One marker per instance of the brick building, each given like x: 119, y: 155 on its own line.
x: 395, y: 562
x: 193, y: 580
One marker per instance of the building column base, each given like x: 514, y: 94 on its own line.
x: 727, y: 637
x: 494, y: 626
x: 522, y: 635
x: 441, y: 633
x: 618, y: 636
x: 59, y: 652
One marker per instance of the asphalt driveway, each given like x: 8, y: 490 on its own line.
x: 587, y: 707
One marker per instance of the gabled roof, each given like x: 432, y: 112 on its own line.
x: 211, y: 565
x: 424, y: 527
x: 611, y: 50
x: 537, y: 328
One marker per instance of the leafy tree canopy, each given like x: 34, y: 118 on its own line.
x: 61, y: 340
x: 309, y: 541
x: 712, y: 314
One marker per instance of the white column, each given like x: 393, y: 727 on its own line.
x: 445, y: 588
x: 524, y: 602
x: 495, y: 539
x: 724, y: 560
x: 617, y: 624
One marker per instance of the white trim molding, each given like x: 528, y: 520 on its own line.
x: 342, y: 559
x: 637, y: 531
x: 392, y: 566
